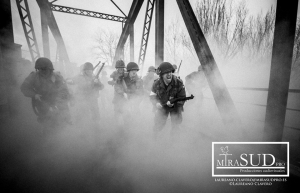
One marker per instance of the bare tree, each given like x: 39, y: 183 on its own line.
x: 234, y: 31
x: 296, y: 54
x: 187, y: 43
x: 106, y: 44
x: 173, y: 41
x: 260, y: 34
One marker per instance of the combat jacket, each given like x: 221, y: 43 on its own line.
x: 195, y: 82
x: 118, y: 82
x: 51, y: 88
x: 119, y: 89
x: 86, y: 87
x: 134, y: 86
x: 162, y: 93
x: 148, y: 82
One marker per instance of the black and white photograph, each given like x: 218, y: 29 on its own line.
x: 149, y: 96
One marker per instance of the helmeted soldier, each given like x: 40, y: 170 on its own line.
x: 104, y: 94
x: 134, y: 87
x: 87, y: 92
x: 148, y: 80
x: 49, y: 93
x: 120, y: 96
x: 175, y: 68
x: 119, y: 72
x: 134, y: 83
x: 164, y: 89
x: 195, y: 84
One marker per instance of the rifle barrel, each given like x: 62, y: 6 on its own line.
x: 97, y: 65
x: 179, y: 67
x: 97, y: 76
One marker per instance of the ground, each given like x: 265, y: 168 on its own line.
x: 102, y: 157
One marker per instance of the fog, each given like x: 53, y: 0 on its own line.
x: 104, y: 156
x: 107, y: 157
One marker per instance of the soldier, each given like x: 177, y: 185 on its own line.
x: 195, y: 84
x: 175, y: 68
x: 49, y: 93
x: 134, y: 87
x: 164, y: 89
x: 104, y: 94
x: 118, y: 73
x: 120, y: 96
x: 148, y: 80
x: 87, y: 92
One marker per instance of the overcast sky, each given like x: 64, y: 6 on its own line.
x: 78, y: 31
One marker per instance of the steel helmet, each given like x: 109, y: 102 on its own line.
x: 132, y: 66
x: 120, y: 64
x: 88, y: 66
x: 164, y: 68
x: 43, y: 63
x: 151, y: 69
x: 175, y: 66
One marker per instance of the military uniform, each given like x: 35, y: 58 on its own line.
x: 148, y: 81
x: 162, y: 93
x: 86, y: 94
x: 135, y: 87
x: 195, y: 84
x: 119, y: 99
x: 54, y: 94
x: 105, y: 92
x: 135, y: 93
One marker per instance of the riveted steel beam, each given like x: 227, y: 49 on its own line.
x: 220, y: 93
x: 282, y: 53
x: 28, y: 28
x: 132, y: 15
x: 87, y: 13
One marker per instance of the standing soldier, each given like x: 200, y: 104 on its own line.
x: 87, y: 92
x: 195, y: 84
x: 164, y: 89
x: 104, y: 94
x: 49, y: 93
x: 120, y: 96
x: 134, y: 84
x: 148, y: 80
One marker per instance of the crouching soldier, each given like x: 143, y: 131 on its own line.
x: 165, y: 89
x: 87, y: 92
x: 49, y: 94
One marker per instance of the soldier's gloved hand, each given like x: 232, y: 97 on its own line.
x: 158, y: 105
x: 37, y: 97
x: 169, y: 104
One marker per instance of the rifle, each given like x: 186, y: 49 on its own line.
x: 43, y: 107
x: 96, y: 65
x: 179, y: 67
x: 124, y: 85
x: 97, y: 76
x: 172, y: 101
x: 119, y: 78
x: 112, y: 83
